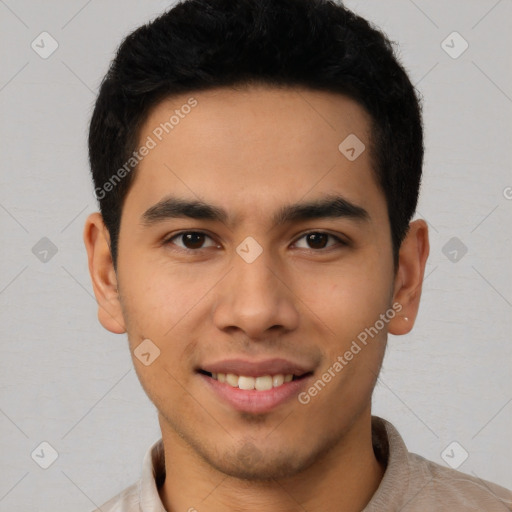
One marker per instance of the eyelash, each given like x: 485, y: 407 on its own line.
x: 340, y: 242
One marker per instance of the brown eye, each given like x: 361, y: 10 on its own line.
x: 318, y: 240
x: 193, y: 240
x: 190, y: 240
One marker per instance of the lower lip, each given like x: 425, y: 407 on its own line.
x: 253, y: 401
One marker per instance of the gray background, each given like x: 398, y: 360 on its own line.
x: 67, y: 381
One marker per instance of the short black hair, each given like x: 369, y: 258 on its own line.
x: 203, y: 44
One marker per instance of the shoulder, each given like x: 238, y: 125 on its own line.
x: 449, y: 489
x: 412, y: 483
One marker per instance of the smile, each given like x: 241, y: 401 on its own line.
x: 260, y: 383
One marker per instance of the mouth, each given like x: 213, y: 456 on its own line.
x: 259, y: 383
x: 254, y: 387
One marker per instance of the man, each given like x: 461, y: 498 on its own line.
x: 257, y: 166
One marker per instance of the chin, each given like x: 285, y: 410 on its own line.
x: 263, y: 471
x: 254, y: 464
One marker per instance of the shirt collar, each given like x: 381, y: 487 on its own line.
x: 391, y: 451
x: 152, y: 477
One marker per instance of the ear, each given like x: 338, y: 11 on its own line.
x: 103, y: 276
x: 413, y: 256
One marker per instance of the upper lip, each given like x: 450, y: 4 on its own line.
x: 247, y: 368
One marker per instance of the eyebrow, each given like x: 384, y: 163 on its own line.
x: 331, y: 206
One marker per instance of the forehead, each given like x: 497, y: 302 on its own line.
x: 255, y: 146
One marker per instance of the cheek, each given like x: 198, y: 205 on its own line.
x: 154, y: 290
x: 348, y: 297
x: 155, y: 303
x: 158, y: 306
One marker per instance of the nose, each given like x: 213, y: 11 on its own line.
x: 256, y: 298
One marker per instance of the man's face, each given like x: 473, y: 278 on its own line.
x: 202, y: 292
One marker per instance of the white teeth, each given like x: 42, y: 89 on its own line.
x: 246, y: 382
x: 263, y: 383
x: 232, y: 380
x: 277, y: 380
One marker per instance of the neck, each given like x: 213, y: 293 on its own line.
x: 345, y: 479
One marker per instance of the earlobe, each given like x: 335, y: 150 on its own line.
x: 409, y: 277
x: 101, y: 268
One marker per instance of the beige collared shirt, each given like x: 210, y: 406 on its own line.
x: 410, y: 483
